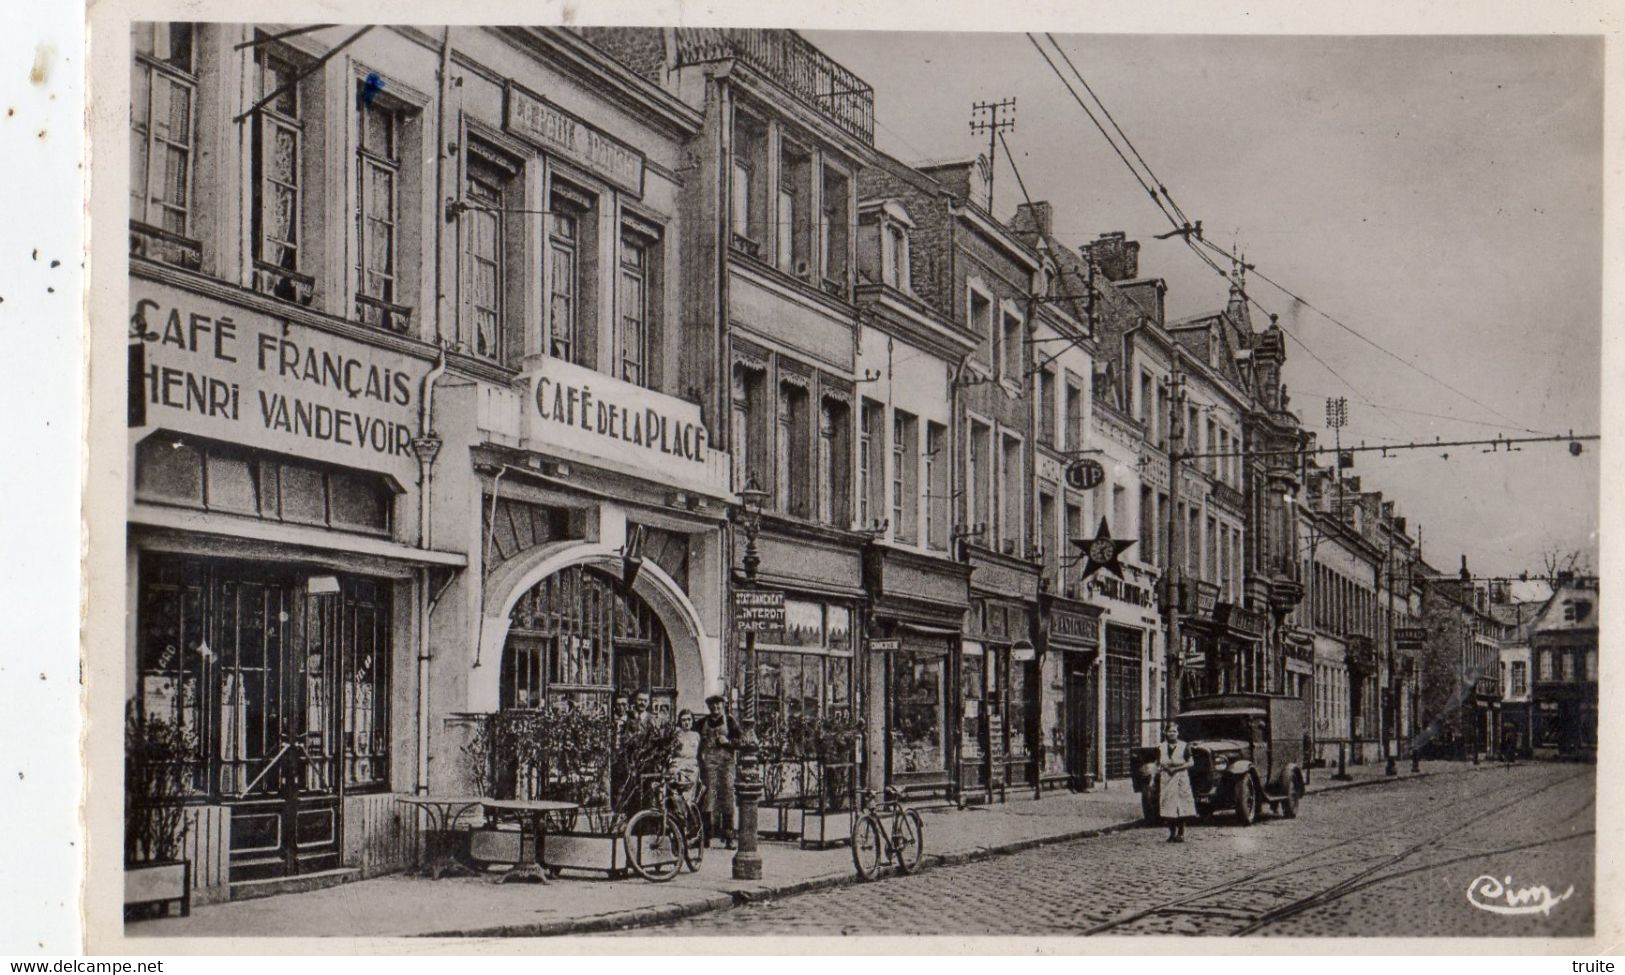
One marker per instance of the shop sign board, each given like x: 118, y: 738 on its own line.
x: 236, y: 374
x: 537, y: 120
x: 890, y: 645
x: 1411, y: 637
x: 758, y: 610
x: 572, y: 411
x: 1085, y: 474
x: 1120, y: 591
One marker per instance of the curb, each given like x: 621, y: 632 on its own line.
x: 646, y: 916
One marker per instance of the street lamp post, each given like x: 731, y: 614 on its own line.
x: 747, y: 862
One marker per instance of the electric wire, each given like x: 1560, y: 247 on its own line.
x: 1192, y: 236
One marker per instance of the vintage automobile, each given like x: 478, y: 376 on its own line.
x: 1246, y: 750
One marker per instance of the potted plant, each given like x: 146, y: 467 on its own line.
x: 157, y: 762
x: 835, y: 742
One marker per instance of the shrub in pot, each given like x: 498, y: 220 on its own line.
x: 158, y: 758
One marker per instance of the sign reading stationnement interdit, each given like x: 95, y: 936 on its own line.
x: 758, y: 610
x: 231, y: 373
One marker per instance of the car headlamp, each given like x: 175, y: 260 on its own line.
x: 1220, y: 763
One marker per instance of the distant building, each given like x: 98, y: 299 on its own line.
x: 1563, y: 650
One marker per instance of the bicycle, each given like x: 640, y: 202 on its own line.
x: 886, y: 830
x: 657, y: 838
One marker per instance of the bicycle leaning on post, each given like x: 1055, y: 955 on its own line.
x: 670, y: 834
x: 886, y: 830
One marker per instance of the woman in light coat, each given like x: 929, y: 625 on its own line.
x: 1176, y: 802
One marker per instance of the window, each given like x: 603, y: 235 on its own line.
x: 806, y: 668
x: 1565, y: 664
x: 1148, y: 525
x: 571, y: 244
x: 635, y: 340
x: 871, y: 443
x: 1074, y: 530
x: 378, y: 211
x: 981, y: 323
x: 163, y: 91
x: 1211, y: 464
x: 1046, y: 407
x: 1120, y: 514
x: 833, y: 231
x: 794, y: 202
x: 834, y: 464
x: 1162, y: 529
x: 232, y: 480
x: 1074, y: 416
x: 978, y: 475
x: 1210, y: 557
x: 1011, y: 490
x: 1193, y: 430
x: 793, y: 450
x: 1147, y: 416
x: 1591, y: 666
x: 905, y: 476
x: 1046, y: 535
x: 895, y: 260
x: 486, y: 231
x: 1013, y: 350
x: 748, y: 437
x: 749, y: 198
x: 936, y: 485
x: 277, y: 214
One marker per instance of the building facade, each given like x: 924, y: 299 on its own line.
x: 1563, y: 648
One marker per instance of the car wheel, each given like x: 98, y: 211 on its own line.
x: 1246, y: 800
x: 1150, y: 807
x: 1289, y: 805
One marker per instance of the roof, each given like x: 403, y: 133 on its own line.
x: 1571, y: 608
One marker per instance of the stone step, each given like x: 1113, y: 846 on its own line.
x: 298, y: 884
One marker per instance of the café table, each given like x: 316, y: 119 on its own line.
x: 532, y: 813
x: 440, y: 840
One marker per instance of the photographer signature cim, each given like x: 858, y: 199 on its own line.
x: 1498, y: 896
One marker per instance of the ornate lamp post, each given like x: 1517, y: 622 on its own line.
x: 747, y: 862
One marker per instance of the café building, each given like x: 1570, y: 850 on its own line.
x: 392, y: 473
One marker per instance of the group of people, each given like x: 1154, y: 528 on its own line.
x: 706, y: 750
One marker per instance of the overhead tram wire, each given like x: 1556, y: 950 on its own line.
x: 1188, y: 230
x: 1369, y: 341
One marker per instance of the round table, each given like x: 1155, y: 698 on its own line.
x: 440, y: 853
x: 534, y: 812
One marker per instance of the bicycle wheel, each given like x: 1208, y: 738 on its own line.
x: 908, y: 839
x: 692, y: 824
x: 868, y: 846
x: 654, y: 846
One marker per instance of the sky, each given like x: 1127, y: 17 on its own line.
x: 1441, y: 196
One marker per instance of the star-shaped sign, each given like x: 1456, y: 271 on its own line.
x: 1102, y: 551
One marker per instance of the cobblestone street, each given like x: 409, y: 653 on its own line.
x: 1388, y: 860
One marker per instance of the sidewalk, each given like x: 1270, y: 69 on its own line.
x: 401, y: 906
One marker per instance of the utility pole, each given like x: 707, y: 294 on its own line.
x: 1175, y: 384
x: 990, y: 117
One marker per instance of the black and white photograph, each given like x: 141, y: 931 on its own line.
x: 762, y: 482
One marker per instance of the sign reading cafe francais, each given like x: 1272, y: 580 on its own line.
x: 231, y: 373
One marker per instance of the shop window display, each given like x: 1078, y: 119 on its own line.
x: 919, y: 699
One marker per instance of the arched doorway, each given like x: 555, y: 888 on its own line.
x: 580, y: 637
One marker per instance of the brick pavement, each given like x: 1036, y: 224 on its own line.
x: 398, y: 905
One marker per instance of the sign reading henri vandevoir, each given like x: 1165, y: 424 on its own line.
x: 229, y: 372
x: 609, y: 422
x: 533, y: 117
x: 759, y: 610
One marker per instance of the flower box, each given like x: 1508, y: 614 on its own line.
x: 158, y: 884
x: 822, y: 830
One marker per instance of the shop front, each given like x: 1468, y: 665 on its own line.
x: 1129, y: 698
x: 916, y: 611
x: 809, y: 676
x: 1068, y: 639
x: 999, y: 685
x: 275, y: 573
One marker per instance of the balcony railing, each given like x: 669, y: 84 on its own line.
x: 802, y: 69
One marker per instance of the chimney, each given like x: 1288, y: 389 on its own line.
x: 1117, y: 257
x: 1465, y: 575
x: 1037, y: 218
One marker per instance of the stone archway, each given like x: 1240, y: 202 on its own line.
x: 696, y: 656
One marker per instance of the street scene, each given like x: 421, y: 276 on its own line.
x: 708, y: 481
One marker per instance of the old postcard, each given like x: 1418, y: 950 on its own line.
x: 768, y: 479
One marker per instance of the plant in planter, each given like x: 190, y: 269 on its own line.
x: 157, y: 764
x: 833, y: 741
